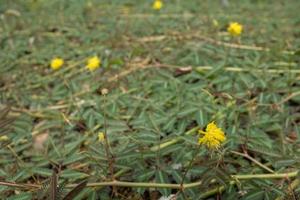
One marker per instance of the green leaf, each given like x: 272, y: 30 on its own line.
x: 162, y: 177
x: 72, y: 174
x: 255, y: 195
x: 22, y: 196
x: 201, y: 118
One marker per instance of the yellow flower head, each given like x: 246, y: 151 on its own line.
x: 101, y: 136
x: 215, y: 23
x: 235, y: 29
x: 157, y: 5
x: 93, y: 63
x: 3, y: 138
x: 56, y: 63
x: 213, y: 136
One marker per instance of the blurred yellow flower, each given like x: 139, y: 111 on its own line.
x: 56, y: 63
x: 3, y: 138
x: 93, y: 63
x: 101, y: 136
x: 157, y: 5
x: 235, y: 29
x: 213, y: 136
x: 215, y: 22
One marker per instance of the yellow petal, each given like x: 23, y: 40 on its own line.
x: 56, y: 63
x: 93, y: 63
x: 157, y: 5
x: 101, y: 136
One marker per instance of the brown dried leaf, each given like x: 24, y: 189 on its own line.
x: 39, y: 141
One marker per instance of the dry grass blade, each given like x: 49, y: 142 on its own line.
x: 74, y: 192
x: 5, y: 122
x: 4, y: 131
x: 4, y: 112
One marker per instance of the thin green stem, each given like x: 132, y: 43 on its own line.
x: 265, y: 176
x: 107, y: 147
x: 163, y: 185
x: 254, y: 176
x: 237, y: 69
x: 253, y: 160
x: 141, y: 184
x: 213, y: 191
x: 187, y: 170
x: 290, y: 96
x: 173, y: 141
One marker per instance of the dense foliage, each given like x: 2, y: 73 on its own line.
x: 165, y: 73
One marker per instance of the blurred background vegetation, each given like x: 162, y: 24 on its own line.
x: 168, y: 72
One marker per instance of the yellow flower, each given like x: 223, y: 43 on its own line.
x: 56, y: 63
x: 3, y: 138
x: 235, y: 29
x: 93, y: 63
x: 157, y: 5
x: 215, y: 23
x: 101, y: 136
x: 213, y: 136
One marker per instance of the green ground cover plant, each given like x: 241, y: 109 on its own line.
x: 125, y: 99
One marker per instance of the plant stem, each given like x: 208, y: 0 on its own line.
x: 108, y: 151
x: 213, y: 191
x: 173, y: 141
x: 162, y: 185
x: 237, y: 69
x: 290, y: 96
x: 265, y: 176
x: 260, y: 176
x: 253, y: 160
